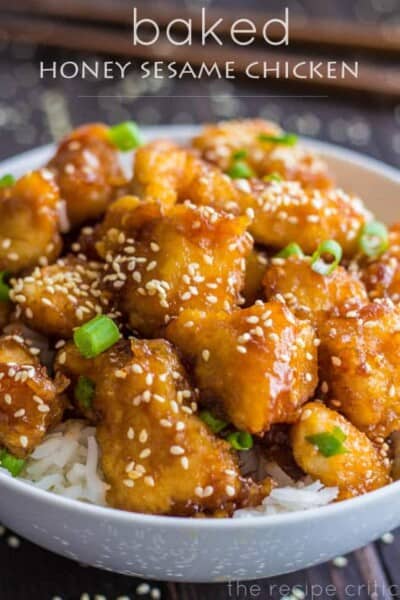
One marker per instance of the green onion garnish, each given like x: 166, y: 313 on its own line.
x: 240, y: 170
x: 374, y: 239
x: 329, y: 443
x: 216, y: 425
x: 291, y: 249
x: 240, y: 440
x: 273, y: 177
x: 239, y: 154
x: 13, y: 464
x: 96, y: 336
x: 288, y: 139
x: 4, y: 287
x: 7, y: 180
x: 125, y: 136
x: 84, y: 391
x: 318, y: 263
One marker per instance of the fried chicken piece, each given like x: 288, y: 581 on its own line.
x: 382, y: 275
x: 158, y: 172
x: 219, y: 143
x: 157, y: 455
x: 258, y: 364
x: 256, y: 265
x: 311, y: 295
x: 360, y: 363
x: 29, y: 222
x: 87, y: 170
x: 356, y: 467
x: 58, y: 298
x: 158, y: 265
x: 29, y: 400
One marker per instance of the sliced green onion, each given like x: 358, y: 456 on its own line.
x: 374, y: 239
x: 240, y: 170
x: 329, y: 443
x: 291, y: 249
x: 239, y: 154
x: 96, y: 336
x: 288, y: 139
x: 318, y: 263
x: 240, y: 440
x: 4, y: 287
x: 7, y: 180
x: 273, y: 177
x: 84, y: 391
x: 216, y: 425
x: 13, y: 464
x: 125, y: 136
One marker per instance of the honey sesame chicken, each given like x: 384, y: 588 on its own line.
x: 258, y: 365
x: 382, y: 275
x: 311, y: 295
x: 219, y: 143
x: 88, y: 172
x: 29, y: 222
x: 29, y: 400
x: 58, y: 298
x: 359, y: 359
x: 356, y: 469
x: 157, y: 455
x: 159, y: 264
x: 269, y: 304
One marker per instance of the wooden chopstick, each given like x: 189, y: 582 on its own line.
x: 316, y: 32
x: 110, y: 42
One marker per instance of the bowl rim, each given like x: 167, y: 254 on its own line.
x: 104, y: 512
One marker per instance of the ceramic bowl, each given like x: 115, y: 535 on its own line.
x: 181, y: 549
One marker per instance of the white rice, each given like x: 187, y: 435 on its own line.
x: 67, y: 463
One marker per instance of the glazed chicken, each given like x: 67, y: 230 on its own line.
x: 267, y: 150
x: 60, y: 297
x: 312, y: 295
x: 29, y: 399
x: 157, y: 455
x: 88, y: 172
x: 258, y: 365
x: 219, y: 322
x: 29, y: 222
x: 159, y: 265
x: 328, y: 447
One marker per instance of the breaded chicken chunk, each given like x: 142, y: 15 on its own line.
x: 258, y: 365
x: 263, y: 146
x: 360, y: 365
x: 158, y: 265
x: 58, y: 298
x: 256, y: 264
x: 329, y: 448
x: 29, y: 402
x: 311, y: 295
x: 382, y: 275
x: 29, y: 222
x: 157, y: 455
x: 88, y: 173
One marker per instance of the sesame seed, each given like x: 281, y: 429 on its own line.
x: 149, y: 481
x: 177, y: 450
x: 205, y: 355
x: 128, y: 483
x: 241, y: 349
x: 230, y: 490
x: 131, y: 433
x: 340, y: 562
x: 143, y: 436
x: 336, y: 361
x: 145, y: 453
x: 185, y: 462
x: 24, y: 441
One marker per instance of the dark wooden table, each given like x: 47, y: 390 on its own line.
x: 34, y: 112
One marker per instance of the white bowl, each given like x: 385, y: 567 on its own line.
x: 182, y: 549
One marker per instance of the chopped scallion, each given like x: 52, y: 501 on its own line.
x: 125, y: 136
x: 240, y: 440
x: 287, y: 139
x: 239, y: 154
x: 13, y: 464
x: 4, y: 287
x: 374, y: 239
x: 7, y: 180
x: 318, y: 263
x: 273, y: 177
x: 96, y: 336
x: 240, y: 170
x: 329, y: 443
x: 291, y: 249
x: 84, y: 391
x: 216, y: 425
